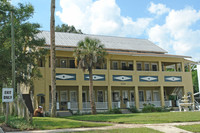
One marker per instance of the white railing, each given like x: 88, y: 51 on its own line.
x: 101, y: 105
x: 74, y: 105
x: 132, y: 104
x: 155, y: 103
x: 86, y: 105
x: 115, y: 105
x: 168, y: 103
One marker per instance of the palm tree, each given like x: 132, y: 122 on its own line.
x: 88, y: 54
x: 53, y: 67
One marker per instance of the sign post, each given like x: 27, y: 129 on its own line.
x: 7, y: 96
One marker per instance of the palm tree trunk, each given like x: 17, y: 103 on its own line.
x: 92, y: 103
x: 53, y: 68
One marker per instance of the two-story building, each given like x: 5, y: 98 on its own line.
x: 136, y: 71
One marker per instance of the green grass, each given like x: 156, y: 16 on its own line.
x: 45, y: 123
x: 142, y: 118
x: 126, y: 130
x: 192, y: 128
x: 17, y: 122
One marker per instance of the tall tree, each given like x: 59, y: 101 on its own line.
x: 67, y: 28
x: 53, y: 56
x: 26, y: 44
x: 89, y: 53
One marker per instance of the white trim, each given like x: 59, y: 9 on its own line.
x: 137, y: 65
x: 145, y: 64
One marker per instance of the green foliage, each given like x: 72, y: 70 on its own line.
x: 114, y: 111
x: 148, y: 108
x: 67, y: 28
x: 89, y: 53
x: 133, y: 109
x: 17, y: 122
x: 172, y: 97
x: 193, y: 128
x: 26, y: 43
x: 195, y: 81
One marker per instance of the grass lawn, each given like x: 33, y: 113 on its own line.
x: 125, y: 130
x: 44, y: 123
x: 193, y: 128
x: 58, y: 123
x: 142, y: 118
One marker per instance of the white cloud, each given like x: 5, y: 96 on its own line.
x: 158, y: 9
x: 100, y: 17
x: 177, y: 34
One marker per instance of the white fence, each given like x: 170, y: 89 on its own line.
x: 155, y: 103
x: 115, y: 105
x: 168, y: 103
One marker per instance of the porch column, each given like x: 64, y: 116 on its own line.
x: 80, y: 104
x: 134, y: 65
x: 162, y: 96
x: 160, y: 66
x: 137, y: 97
x: 183, y: 66
x: 109, y: 97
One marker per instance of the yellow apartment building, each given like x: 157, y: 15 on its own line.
x: 136, y: 71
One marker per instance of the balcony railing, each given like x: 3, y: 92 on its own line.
x: 115, y: 105
x: 168, y: 103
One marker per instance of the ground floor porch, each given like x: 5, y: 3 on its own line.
x: 77, y: 97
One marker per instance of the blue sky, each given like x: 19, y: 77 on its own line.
x: 173, y: 25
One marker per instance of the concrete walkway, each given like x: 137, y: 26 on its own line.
x: 163, y: 127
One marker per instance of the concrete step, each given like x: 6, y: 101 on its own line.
x: 63, y: 113
x: 125, y: 111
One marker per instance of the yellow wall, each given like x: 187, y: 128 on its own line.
x: 42, y: 85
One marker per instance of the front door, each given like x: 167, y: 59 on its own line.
x: 115, y: 99
x: 124, y: 98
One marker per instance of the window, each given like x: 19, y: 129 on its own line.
x: 63, y: 96
x: 154, y: 66
x: 116, y: 96
x: 71, y: 64
x: 156, y: 96
x: 139, y: 66
x: 99, y: 96
x: 115, y: 65
x: 123, y: 65
x: 130, y: 65
x: 125, y: 96
x: 141, y: 95
x: 73, y: 96
x: 146, y: 66
x: 63, y: 63
x: 148, y: 95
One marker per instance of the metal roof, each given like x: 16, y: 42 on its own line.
x: 110, y: 42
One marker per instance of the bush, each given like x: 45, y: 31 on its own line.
x: 114, y: 111
x: 133, y: 109
x: 148, y: 108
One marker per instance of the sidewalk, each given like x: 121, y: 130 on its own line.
x: 163, y: 127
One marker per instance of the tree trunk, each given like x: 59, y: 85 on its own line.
x: 92, y: 103
x: 53, y: 68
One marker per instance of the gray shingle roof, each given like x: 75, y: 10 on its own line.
x: 122, y: 43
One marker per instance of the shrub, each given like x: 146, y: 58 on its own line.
x: 149, y: 108
x: 114, y: 111
x: 133, y: 109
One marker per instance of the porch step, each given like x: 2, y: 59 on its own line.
x: 125, y: 111
x: 63, y: 113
